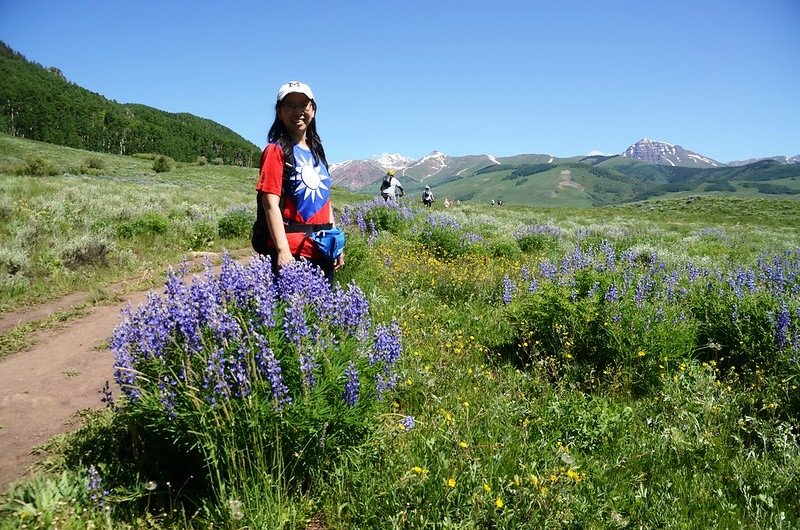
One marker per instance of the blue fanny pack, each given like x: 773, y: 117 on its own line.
x: 329, y: 242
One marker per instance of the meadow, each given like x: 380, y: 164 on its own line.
x: 477, y: 367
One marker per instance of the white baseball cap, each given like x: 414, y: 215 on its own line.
x: 294, y: 86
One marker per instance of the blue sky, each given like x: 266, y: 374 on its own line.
x: 565, y: 77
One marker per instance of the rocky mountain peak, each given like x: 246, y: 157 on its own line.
x: 663, y: 153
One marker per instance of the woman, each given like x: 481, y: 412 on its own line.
x: 294, y: 185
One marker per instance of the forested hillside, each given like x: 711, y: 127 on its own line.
x: 40, y: 104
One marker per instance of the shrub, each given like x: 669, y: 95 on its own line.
x: 385, y: 218
x: 442, y: 236
x: 86, y: 250
x: 152, y: 223
x: 253, y: 377
x: 94, y: 162
x: 13, y: 261
x: 201, y: 160
x: 163, y: 164
x: 236, y: 223
x: 538, y: 238
x: 36, y: 166
x: 504, y: 248
x: 201, y: 234
x: 217, y: 161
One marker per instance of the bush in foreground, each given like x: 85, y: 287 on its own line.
x: 244, y: 379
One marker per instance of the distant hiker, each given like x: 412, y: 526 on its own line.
x: 294, y: 186
x: 447, y: 202
x: 492, y: 202
x: 427, y: 197
x: 499, y: 202
x: 391, y: 188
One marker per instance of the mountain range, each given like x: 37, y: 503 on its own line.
x: 666, y: 159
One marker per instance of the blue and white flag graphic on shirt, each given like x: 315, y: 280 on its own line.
x: 310, y: 184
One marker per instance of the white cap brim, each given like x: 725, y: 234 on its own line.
x: 295, y: 87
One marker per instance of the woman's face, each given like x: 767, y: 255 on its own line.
x: 296, y: 113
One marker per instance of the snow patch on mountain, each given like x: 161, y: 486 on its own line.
x: 393, y: 161
x: 492, y: 159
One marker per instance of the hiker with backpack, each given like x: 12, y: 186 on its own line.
x: 427, y: 197
x: 391, y: 188
x: 294, y: 187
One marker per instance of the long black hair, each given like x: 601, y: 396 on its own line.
x: 279, y: 135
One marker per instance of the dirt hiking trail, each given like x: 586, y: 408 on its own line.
x: 43, y: 389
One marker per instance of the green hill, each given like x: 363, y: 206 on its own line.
x: 532, y: 180
x: 40, y: 104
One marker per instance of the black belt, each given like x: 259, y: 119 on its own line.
x: 306, y: 229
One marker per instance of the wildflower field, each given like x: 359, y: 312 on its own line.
x: 477, y: 367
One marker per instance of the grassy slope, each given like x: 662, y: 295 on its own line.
x: 665, y: 460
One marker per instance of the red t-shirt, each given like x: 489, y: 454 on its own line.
x: 308, y: 200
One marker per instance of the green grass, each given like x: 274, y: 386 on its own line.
x: 546, y: 412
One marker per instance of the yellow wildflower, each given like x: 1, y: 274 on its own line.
x: 463, y: 445
x: 534, y: 480
x: 451, y: 482
x: 574, y: 475
x: 498, y: 502
x: 641, y: 353
x: 487, y: 488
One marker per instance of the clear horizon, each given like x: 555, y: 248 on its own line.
x: 461, y: 78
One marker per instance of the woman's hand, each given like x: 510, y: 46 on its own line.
x: 339, y: 263
x: 285, y: 256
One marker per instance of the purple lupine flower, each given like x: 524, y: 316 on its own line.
x: 351, y: 386
x: 407, y: 423
x: 214, y: 379
x: 534, y: 286
x: 525, y: 273
x: 295, y: 327
x: 362, y: 224
x: 264, y: 295
x: 270, y: 367
x: 224, y: 326
x: 547, y: 270
x: 345, y: 217
x: 782, y: 323
x: 608, y: 251
x: 508, y: 290
x: 237, y: 374
x: 307, y: 367
x: 125, y: 373
x: 95, y: 487
x: 387, y: 346
x: 108, y: 397
x: 168, y: 395
x: 352, y: 314
x: 473, y: 238
x: 612, y: 295
x: 302, y: 278
x: 384, y: 382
